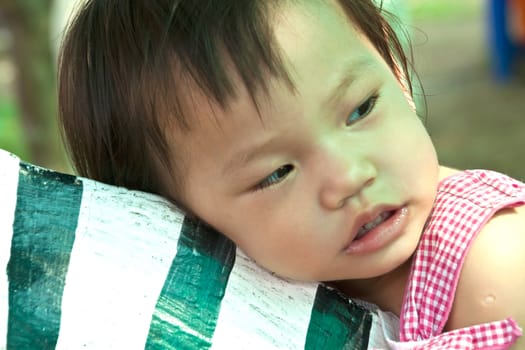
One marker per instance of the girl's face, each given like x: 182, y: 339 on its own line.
x: 332, y: 181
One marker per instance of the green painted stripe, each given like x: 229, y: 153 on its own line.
x: 46, y: 217
x: 336, y: 323
x: 187, y: 309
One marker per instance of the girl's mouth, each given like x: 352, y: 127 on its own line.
x: 374, y: 223
x: 375, y: 234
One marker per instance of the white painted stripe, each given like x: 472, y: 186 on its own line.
x: 125, y: 243
x: 9, y: 167
x: 262, y: 311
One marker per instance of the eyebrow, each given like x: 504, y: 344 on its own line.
x: 351, y: 70
x: 246, y: 156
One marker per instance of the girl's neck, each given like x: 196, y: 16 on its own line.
x: 386, y: 291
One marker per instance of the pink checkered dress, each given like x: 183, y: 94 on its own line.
x: 465, y: 202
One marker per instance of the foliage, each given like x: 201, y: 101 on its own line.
x: 443, y: 9
x: 11, y: 134
x: 29, y: 24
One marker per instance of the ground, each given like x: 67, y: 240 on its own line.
x: 475, y: 121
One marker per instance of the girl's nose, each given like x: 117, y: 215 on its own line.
x: 344, y: 176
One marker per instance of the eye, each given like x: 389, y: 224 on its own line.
x: 363, y: 110
x: 275, y: 177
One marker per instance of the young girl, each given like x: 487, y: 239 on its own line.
x: 289, y: 127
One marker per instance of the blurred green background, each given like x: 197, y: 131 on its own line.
x: 474, y: 121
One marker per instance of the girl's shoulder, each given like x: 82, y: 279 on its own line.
x: 492, y: 279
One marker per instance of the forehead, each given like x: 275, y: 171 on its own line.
x: 310, y: 21
x: 319, y: 43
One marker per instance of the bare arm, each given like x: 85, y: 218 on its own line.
x: 492, y: 282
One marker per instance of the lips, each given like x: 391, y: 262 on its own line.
x: 376, y: 229
x: 374, y: 223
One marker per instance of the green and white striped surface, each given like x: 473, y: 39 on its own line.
x: 91, y: 266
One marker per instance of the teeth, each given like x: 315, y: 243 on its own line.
x: 372, y: 224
